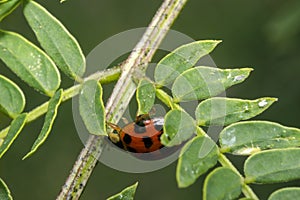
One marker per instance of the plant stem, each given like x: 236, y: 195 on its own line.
x: 122, y: 94
x: 105, y: 76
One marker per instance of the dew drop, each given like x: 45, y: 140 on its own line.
x: 186, y: 169
x: 262, y: 103
x: 238, y: 78
x: 248, y: 150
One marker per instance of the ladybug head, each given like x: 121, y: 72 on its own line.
x: 114, y: 136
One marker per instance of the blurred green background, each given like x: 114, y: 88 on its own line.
x: 262, y: 34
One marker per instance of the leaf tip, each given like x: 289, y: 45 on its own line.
x: 27, y: 155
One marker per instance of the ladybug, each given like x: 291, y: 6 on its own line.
x: 140, y: 136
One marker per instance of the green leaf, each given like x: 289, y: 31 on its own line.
x: 30, y: 63
x: 178, y: 127
x: 203, y: 82
x: 285, y: 193
x: 12, y: 100
x: 273, y: 166
x: 197, y: 156
x: 248, y: 137
x: 222, y: 184
x: 13, y: 132
x: 126, y: 194
x: 91, y: 107
x: 4, y: 191
x: 49, y: 120
x: 145, y: 96
x: 55, y: 40
x: 224, y: 111
x: 181, y: 59
x: 6, y: 7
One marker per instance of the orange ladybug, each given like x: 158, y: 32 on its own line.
x: 140, y: 136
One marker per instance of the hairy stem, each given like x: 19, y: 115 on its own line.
x: 122, y: 94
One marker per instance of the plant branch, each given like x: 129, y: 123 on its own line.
x: 122, y: 94
x: 105, y: 76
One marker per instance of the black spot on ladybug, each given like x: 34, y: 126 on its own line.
x: 127, y: 138
x: 147, y: 142
x: 131, y: 149
x: 139, y: 129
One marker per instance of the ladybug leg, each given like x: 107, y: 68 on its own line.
x: 114, y: 136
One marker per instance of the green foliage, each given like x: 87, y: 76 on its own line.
x: 285, y: 193
x: 126, y: 194
x: 203, y: 82
x: 197, y: 156
x: 4, y: 191
x: 271, y: 146
x: 14, y: 130
x: 222, y: 183
x: 12, y: 100
x: 179, y: 126
x: 145, y: 96
x: 91, y: 107
x: 7, y: 6
x: 182, y: 59
x: 49, y: 120
x: 60, y: 45
x: 223, y: 111
x: 29, y: 62
x: 273, y: 166
x: 248, y: 137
